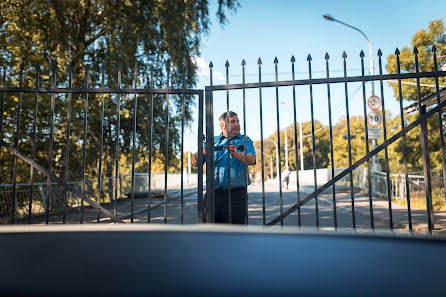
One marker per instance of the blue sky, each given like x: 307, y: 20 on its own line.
x: 269, y: 29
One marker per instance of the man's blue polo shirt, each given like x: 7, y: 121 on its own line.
x: 221, y: 162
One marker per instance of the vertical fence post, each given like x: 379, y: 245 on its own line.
x: 149, y: 183
x: 279, y: 163
x: 335, y: 219
x: 84, y: 143
x: 425, y: 152
x: 366, y: 130
x: 259, y: 62
x: 50, y: 151
x: 344, y: 56
x: 386, y: 154
x: 406, y: 178
x: 118, y: 131
x: 33, y: 156
x: 299, y: 221
x: 245, y: 167
x: 182, y: 149
x: 209, y: 158
x: 135, y: 112
x: 208, y: 209
x: 16, y: 146
x: 166, y: 138
x: 101, y: 144
x: 313, y: 140
x: 67, y: 144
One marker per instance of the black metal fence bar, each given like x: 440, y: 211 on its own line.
x: 33, y: 154
x: 49, y: 200
x: 16, y: 145
x: 209, y: 207
x: 278, y: 139
x: 403, y: 124
x: 423, y: 117
x: 386, y: 155
x: 101, y: 144
x: 313, y: 141
x: 425, y: 152
x: 227, y: 144
x: 349, y: 147
x: 135, y: 112
x: 166, y: 138
x: 67, y: 144
x: 245, y: 167
x: 182, y: 157
x: 440, y: 122
x: 118, y: 129
x: 200, y: 204
x: 335, y: 218
x: 366, y: 131
x: 149, y: 184
x: 84, y: 140
x: 259, y: 62
x: 318, y: 81
x: 50, y: 150
x: 3, y: 104
x: 299, y: 219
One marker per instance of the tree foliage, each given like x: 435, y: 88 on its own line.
x: 106, y: 36
x: 423, y: 40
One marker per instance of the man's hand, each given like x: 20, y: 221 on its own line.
x: 250, y: 159
x: 231, y: 148
x: 194, y: 159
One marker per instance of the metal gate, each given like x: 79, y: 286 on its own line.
x: 56, y: 189
x: 328, y: 81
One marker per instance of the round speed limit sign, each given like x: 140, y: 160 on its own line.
x: 374, y: 102
x: 374, y: 118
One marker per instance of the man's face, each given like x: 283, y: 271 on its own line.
x: 234, y: 127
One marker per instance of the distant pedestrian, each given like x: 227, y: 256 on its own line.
x: 258, y: 178
x: 286, y: 177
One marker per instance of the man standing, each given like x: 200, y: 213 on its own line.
x: 230, y: 141
x: 286, y: 177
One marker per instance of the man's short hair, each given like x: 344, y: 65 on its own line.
x: 223, y: 116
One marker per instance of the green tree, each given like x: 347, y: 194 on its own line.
x: 104, y: 35
x: 322, y: 143
x: 423, y: 39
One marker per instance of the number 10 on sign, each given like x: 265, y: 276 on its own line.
x: 374, y: 118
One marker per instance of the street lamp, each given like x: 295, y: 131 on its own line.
x: 270, y: 164
x: 277, y: 154
x: 332, y: 19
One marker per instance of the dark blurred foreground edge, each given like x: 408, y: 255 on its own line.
x: 216, y: 261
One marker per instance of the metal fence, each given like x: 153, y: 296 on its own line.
x: 60, y: 185
x: 206, y: 207
x: 345, y: 80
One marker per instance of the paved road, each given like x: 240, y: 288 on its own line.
x: 272, y: 205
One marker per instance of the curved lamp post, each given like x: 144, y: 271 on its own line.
x: 331, y: 18
x: 277, y: 155
x: 372, y: 68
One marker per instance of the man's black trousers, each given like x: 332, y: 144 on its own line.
x: 239, y: 203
